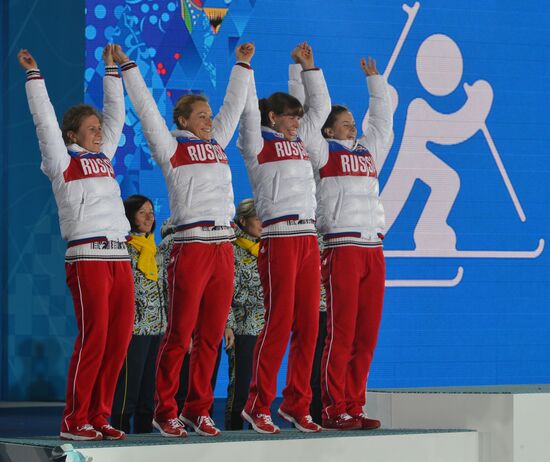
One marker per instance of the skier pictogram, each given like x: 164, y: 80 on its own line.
x: 439, y: 66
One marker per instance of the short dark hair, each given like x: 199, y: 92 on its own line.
x: 184, y: 107
x: 132, y: 204
x: 72, y: 119
x: 336, y: 110
x: 280, y: 103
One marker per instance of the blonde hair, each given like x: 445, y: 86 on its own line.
x: 245, y: 210
x: 184, y: 107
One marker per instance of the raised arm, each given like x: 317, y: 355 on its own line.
x: 113, y: 103
x: 250, y: 141
x: 161, y: 141
x: 317, y: 97
x: 225, y: 123
x: 379, y: 129
x: 50, y: 140
x: 295, y: 85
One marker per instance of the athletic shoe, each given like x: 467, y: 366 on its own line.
x: 262, y: 423
x: 202, y: 424
x: 366, y: 423
x: 111, y: 433
x: 342, y: 422
x: 84, y: 433
x: 171, y: 428
x: 304, y: 424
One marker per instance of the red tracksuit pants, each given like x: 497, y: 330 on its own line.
x: 290, y: 274
x: 354, y: 280
x: 103, y: 296
x: 200, y: 285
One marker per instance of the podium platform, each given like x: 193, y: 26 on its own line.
x: 458, y: 424
x: 289, y: 446
x: 513, y: 421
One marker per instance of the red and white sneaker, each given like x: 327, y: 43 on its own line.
x: 262, y: 423
x: 110, y: 433
x: 366, y: 423
x: 171, y: 428
x: 304, y: 424
x: 202, y: 424
x: 83, y: 433
x: 342, y: 422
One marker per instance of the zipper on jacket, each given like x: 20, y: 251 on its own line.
x: 275, y: 189
x: 190, y: 192
x: 338, y: 206
x: 81, y: 208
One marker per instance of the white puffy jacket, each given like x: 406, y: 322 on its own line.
x: 345, y: 171
x: 84, y: 185
x: 197, y: 172
x: 280, y: 170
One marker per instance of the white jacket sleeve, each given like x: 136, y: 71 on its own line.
x: 161, y: 142
x: 225, y: 123
x: 296, y: 86
x: 379, y: 128
x: 250, y: 141
x: 55, y: 158
x: 319, y: 107
x: 113, y: 112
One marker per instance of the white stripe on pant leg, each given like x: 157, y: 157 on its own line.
x: 167, y: 334
x: 332, y: 325
x: 81, y: 348
x: 267, y: 321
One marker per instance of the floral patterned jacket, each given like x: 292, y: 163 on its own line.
x: 246, y: 316
x: 150, y: 317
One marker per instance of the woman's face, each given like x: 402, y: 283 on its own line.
x: 343, y: 128
x: 144, y: 218
x: 285, y: 124
x: 89, y: 135
x: 252, y: 226
x: 199, y: 121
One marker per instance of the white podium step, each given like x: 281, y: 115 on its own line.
x: 288, y: 446
x: 513, y: 421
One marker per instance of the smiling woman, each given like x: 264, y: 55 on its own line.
x: 136, y: 383
x: 271, y: 140
x: 193, y: 113
x: 200, y: 277
x: 77, y: 160
x: 351, y: 218
x: 82, y: 124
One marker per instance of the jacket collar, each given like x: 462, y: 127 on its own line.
x: 241, y: 233
x: 186, y: 134
x: 276, y: 133
x: 349, y: 144
x: 73, y: 147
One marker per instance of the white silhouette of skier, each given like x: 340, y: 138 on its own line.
x: 439, y: 68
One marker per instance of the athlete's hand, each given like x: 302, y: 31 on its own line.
x: 108, y: 55
x: 369, y: 67
x: 190, y: 346
x: 118, y: 55
x: 245, y: 52
x: 26, y: 60
x: 303, y: 54
x: 229, y: 338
